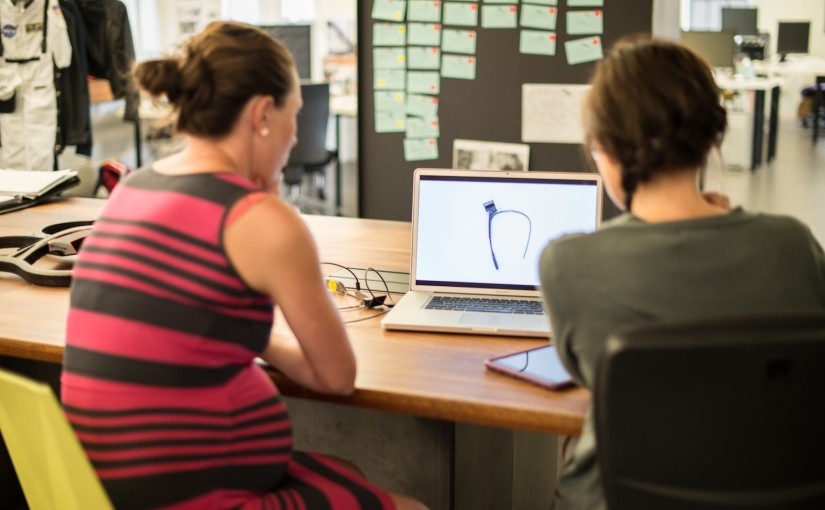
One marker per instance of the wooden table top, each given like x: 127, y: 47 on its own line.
x: 430, y: 375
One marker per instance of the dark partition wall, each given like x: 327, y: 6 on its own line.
x: 487, y: 108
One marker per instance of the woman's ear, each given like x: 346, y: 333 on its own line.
x: 260, y: 110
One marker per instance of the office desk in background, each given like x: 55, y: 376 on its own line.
x: 437, y: 376
x: 758, y: 86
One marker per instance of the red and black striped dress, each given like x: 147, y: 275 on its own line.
x: 159, y: 379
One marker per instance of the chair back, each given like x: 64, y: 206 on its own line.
x: 711, y: 414
x: 313, y: 118
x: 50, y: 463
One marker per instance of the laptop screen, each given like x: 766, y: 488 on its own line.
x: 486, y: 230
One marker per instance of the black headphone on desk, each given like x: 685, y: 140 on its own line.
x: 367, y: 301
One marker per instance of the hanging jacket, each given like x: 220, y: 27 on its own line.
x: 74, y: 117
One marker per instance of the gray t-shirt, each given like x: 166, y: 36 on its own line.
x: 631, y: 272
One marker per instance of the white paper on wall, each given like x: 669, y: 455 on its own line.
x: 551, y: 113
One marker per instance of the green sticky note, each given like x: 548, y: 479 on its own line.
x: 389, y: 34
x: 499, y: 16
x: 424, y: 10
x: 424, y: 34
x: 423, y: 57
x: 500, y: 1
x: 390, y: 101
x: 422, y: 127
x: 585, y: 22
x: 584, y: 3
x: 460, y: 14
x: 537, y: 42
x: 538, y: 16
x: 389, y: 79
x: 390, y: 10
x: 458, y: 66
x: 389, y: 58
x: 390, y: 122
x: 418, y: 149
x: 583, y: 50
x: 542, y: 2
x: 459, y: 41
x: 423, y: 82
x: 422, y: 106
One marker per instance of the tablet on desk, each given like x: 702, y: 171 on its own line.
x: 540, y: 366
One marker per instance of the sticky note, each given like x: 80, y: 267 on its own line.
x: 424, y: 10
x: 584, y: 3
x: 538, y: 16
x: 458, y: 66
x: 418, y: 149
x: 390, y: 10
x: 537, y: 42
x: 389, y: 58
x: 459, y: 41
x: 422, y: 127
x: 422, y: 106
x: 389, y: 79
x: 423, y: 57
x: 500, y: 1
x: 390, y: 122
x: 585, y: 22
x: 499, y: 16
x: 390, y: 101
x: 389, y: 34
x: 423, y: 82
x: 461, y: 14
x: 424, y: 34
x: 541, y: 2
x: 583, y: 50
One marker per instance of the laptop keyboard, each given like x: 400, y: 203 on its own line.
x: 469, y: 304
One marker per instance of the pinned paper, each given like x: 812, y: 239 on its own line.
x: 423, y: 57
x: 389, y: 79
x: 583, y: 50
x: 423, y: 82
x: 584, y: 3
x: 422, y: 127
x: 418, y: 149
x: 459, y: 41
x: 500, y: 1
x: 424, y: 34
x: 461, y: 14
x: 389, y: 34
x: 390, y: 122
x: 424, y: 10
x: 552, y: 113
x: 458, y: 66
x: 537, y: 42
x: 390, y: 10
x: 542, y: 2
x: 389, y: 58
x: 422, y: 106
x: 390, y: 101
x: 585, y: 22
x: 538, y: 16
x: 499, y: 16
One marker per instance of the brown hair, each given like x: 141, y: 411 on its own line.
x: 218, y: 71
x: 654, y: 106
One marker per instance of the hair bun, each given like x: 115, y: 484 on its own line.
x: 197, y: 80
x: 159, y: 77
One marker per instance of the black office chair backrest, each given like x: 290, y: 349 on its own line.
x: 721, y: 413
x: 313, y: 118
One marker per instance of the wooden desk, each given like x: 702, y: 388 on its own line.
x: 427, y: 375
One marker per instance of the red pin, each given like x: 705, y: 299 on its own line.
x: 595, y: 42
x: 597, y: 12
x: 552, y: 37
x: 435, y: 50
x: 471, y: 34
x: 435, y: 123
x: 431, y: 141
x: 473, y: 7
x: 470, y: 61
x: 436, y: 27
x: 512, y: 8
x: 435, y: 100
x: 432, y: 87
x: 435, y: 4
x: 552, y: 10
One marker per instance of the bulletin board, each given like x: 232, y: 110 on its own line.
x: 475, y: 93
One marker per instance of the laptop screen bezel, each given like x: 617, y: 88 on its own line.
x: 488, y: 176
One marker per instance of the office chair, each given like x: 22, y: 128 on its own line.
x: 819, y: 105
x: 310, y: 156
x: 52, y: 467
x: 723, y: 413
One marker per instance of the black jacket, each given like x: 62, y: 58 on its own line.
x: 72, y: 86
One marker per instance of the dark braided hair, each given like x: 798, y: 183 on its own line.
x: 654, y: 107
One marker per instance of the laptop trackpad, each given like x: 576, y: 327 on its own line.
x: 488, y: 319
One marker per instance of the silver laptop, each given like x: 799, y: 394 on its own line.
x: 476, y: 241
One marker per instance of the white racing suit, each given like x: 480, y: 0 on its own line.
x: 33, y: 42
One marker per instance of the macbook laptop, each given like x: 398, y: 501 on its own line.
x: 477, y: 236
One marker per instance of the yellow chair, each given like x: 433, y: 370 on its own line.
x: 52, y: 467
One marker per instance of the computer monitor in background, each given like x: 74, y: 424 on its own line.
x: 298, y: 40
x: 740, y: 20
x: 792, y: 37
x: 717, y: 48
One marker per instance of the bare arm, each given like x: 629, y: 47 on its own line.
x: 275, y: 254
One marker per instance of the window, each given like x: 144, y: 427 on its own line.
x: 293, y: 11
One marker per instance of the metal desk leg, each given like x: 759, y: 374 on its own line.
x: 337, y: 164
x: 773, y: 124
x: 758, y: 128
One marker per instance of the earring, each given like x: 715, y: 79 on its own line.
x: 264, y: 132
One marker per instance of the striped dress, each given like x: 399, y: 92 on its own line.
x: 159, y: 380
